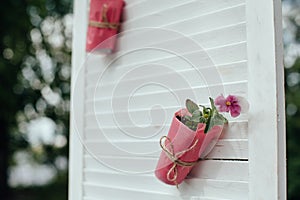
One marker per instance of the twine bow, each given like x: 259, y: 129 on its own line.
x: 174, y: 157
x: 105, y: 23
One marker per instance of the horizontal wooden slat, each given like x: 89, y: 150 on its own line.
x: 157, y: 37
x: 177, y: 83
x: 173, y: 92
x: 233, y: 15
x: 204, y: 188
x: 132, y: 182
x: 104, y: 167
x: 227, y: 15
x: 223, y: 35
x: 131, y: 3
x: 141, y: 118
x: 234, y: 130
x: 206, y: 198
x: 220, y: 170
x: 102, y: 191
x: 216, y: 56
x: 192, y: 198
x: 234, y: 190
x: 227, y: 73
x: 145, y: 7
x: 120, y: 165
x: 224, y: 149
x: 220, y: 36
x: 136, y: 93
x: 170, y: 8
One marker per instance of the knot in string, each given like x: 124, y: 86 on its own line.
x: 174, y: 157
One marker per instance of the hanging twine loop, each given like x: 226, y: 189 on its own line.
x: 174, y: 157
x: 105, y: 23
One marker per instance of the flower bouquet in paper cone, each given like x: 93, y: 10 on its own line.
x: 193, y: 133
x: 104, y: 22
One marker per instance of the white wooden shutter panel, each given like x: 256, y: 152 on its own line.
x: 115, y: 166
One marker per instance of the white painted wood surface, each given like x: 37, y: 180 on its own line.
x: 265, y: 53
x: 77, y: 102
x: 115, y: 129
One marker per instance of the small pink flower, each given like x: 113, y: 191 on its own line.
x: 229, y: 104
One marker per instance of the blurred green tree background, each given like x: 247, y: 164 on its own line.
x: 34, y: 91
x: 291, y: 38
x: 35, y: 73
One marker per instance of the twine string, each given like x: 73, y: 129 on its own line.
x: 105, y: 23
x: 174, y: 157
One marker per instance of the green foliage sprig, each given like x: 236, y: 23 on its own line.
x: 201, y: 114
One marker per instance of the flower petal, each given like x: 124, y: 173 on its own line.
x: 244, y: 104
x: 235, y: 111
x: 232, y: 99
x: 223, y: 108
x: 220, y: 102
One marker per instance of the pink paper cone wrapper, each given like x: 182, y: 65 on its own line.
x: 182, y: 139
x: 103, y: 36
x: 210, y: 140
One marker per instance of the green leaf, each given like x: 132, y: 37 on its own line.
x: 208, y: 126
x: 202, y: 120
x: 187, y: 121
x: 212, y: 104
x: 188, y: 118
x: 195, y: 119
x: 196, y: 113
x: 191, y: 106
x: 215, y: 118
x: 210, y: 116
x: 196, y: 116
